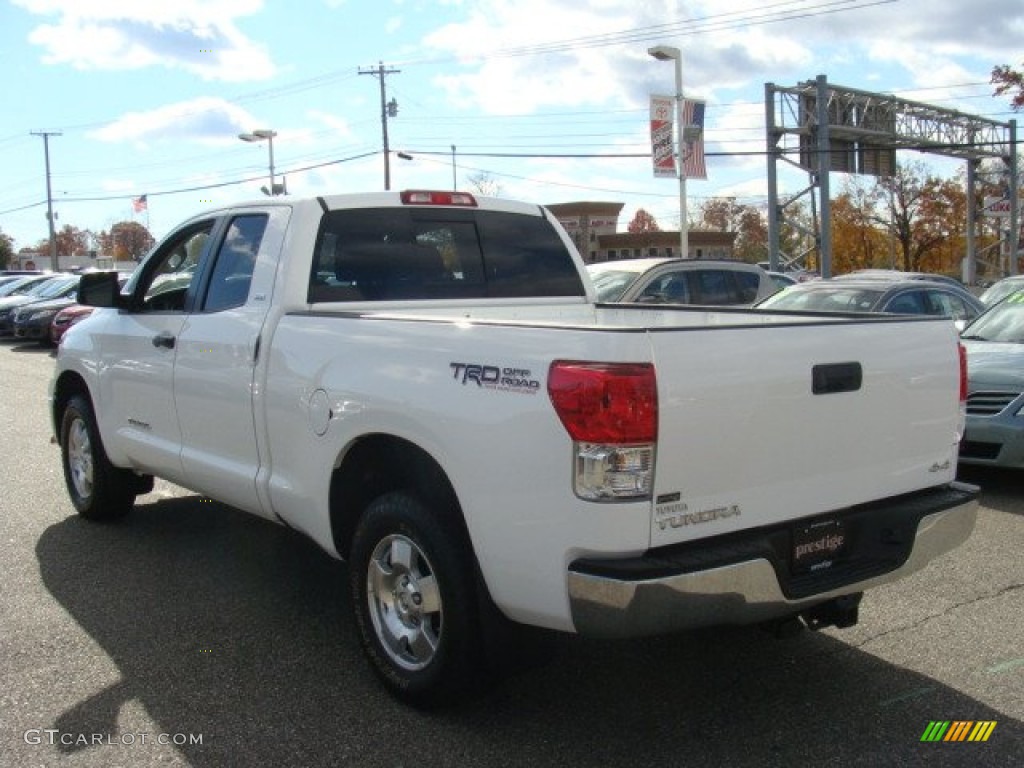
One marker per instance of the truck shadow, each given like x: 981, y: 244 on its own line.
x: 1001, y: 488
x: 223, y: 625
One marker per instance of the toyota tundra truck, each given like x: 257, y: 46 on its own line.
x: 424, y: 384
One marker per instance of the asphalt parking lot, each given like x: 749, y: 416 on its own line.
x: 191, y: 634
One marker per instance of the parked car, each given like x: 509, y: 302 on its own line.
x: 1001, y: 289
x: 19, y: 284
x: 994, y: 342
x: 899, y: 297
x: 73, y: 314
x: 32, y: 321
x: 680, y: 281
x: 55, y: 287
x: 896, y: 274
x: 66, y: 318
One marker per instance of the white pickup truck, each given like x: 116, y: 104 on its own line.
x: 424, y: 385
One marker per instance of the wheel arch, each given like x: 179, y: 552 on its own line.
x: 68, y: 384
x: 379, y: 463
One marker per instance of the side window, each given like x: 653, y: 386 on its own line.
x: 749, y: 284
x: 162, y: 284
x: 948, y: 305
x: 908, y: 303
x: 232, y: 271
x: 666, y: 289
x: 714, y: 286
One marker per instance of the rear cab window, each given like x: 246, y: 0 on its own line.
x: 390, y: 254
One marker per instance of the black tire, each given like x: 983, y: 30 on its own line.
x: 414, y: 599
x: 98, y: 489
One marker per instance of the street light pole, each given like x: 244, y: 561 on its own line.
x: 264, y: 134
x: 671, y: 53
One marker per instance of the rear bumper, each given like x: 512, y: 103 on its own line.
x: 747, y: 578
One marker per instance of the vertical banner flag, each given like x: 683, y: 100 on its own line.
x: 661, y: 136
x: 693, y: 117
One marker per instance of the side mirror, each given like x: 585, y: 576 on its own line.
x: 99, y: 289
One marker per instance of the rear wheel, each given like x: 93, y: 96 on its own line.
x: 98, y: 489
x: 413, y: 594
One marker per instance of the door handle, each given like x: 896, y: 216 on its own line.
x: 164, y: 340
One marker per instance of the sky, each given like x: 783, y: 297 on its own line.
x: 546, y: 100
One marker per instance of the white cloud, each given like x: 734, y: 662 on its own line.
x: 197, y: 36
x: 207, y: 120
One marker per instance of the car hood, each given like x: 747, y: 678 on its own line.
x: 995, y: 364
x: 9, y: 302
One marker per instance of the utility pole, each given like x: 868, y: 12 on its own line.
x: 387, y: 109
x: 49, y: 196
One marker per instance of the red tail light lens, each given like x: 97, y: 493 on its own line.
x: 607, y: 403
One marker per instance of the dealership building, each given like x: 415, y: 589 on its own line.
x: 593, y: 226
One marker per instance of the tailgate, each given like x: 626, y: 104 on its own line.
x: 760, y: 425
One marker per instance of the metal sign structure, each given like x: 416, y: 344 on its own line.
x: 821, y: 128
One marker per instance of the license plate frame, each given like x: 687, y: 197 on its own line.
x: 818, y: 546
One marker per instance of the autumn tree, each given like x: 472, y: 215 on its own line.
x: 71, y: 241
x: 927, y: 216
x: 860, y: 240
x: 1009, y: 82
x: 751, y: 235
x: 6, y: 249
x: 719, y: 213
x: 724, y: 214
x: 126, y: 240
x: 643, y: 221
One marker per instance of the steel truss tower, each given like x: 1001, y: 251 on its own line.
x: 821, y: 128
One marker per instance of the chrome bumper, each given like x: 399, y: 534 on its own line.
x: 746, y: 592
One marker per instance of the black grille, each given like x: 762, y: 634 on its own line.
x: 989, y: 403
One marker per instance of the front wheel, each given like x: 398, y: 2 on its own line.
x: 412, y: 586
x: 98, y: 489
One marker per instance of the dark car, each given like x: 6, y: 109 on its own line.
x: 32, y: 321
x: 896, y: 274
x: 898, y: 297
x: 73, y: 313
x: 994, y: 434
x: 56, y: 287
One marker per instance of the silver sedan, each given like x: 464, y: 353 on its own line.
x: 995, y: 386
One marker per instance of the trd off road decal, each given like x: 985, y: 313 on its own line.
x: 500, y: 378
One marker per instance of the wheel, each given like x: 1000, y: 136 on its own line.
x: 98, y: 489
x: 413, y: 595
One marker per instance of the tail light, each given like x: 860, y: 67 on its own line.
x: 610, y: 411
x: 429, y: 197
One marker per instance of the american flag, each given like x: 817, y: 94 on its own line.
x: 139, y: 204
x: 693, y: 114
